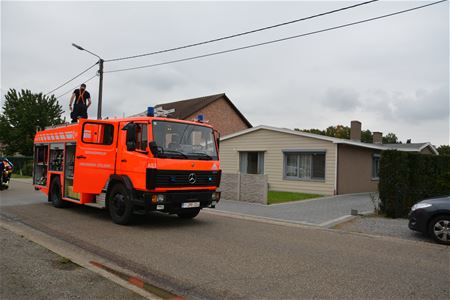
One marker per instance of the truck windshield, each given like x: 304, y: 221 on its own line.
x: 184, y: 141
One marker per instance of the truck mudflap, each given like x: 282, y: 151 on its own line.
x: 175, y: 201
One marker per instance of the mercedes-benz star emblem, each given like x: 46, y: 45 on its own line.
x: 192, y: 178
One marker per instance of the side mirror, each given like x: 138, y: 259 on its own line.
x: 217, y: 135
x: 131, y: 136
x: 153, y: 148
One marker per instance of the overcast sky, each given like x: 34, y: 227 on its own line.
x: 391, y: 74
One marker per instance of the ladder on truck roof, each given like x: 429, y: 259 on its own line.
x: 160, y: 112
x: 56, y: 126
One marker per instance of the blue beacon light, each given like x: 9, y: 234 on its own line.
x: 150, y: 111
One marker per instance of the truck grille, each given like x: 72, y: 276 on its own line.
x: 181, y: 178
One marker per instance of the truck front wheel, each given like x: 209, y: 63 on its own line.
x: 55, y: 193
x: 189, y: 213
x: 119, y: 205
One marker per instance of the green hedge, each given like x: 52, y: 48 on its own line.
x: 407, y: 178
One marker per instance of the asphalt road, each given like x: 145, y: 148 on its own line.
x: 216, y: 257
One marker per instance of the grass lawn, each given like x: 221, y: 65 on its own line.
x: 20, y: 176
x: 280, y: 197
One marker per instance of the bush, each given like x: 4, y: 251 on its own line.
x: 407, y: 178
x: 23, y: 165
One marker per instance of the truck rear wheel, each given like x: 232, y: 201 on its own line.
x: 55, y: 193
x: 189, y: 213
x: 119, y: 204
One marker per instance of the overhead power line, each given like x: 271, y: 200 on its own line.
x: 70, y: 80
x: 72, y: 89
x: 277, y: 40
x: 242, y: 33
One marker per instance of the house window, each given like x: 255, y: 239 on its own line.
x: 304, y: 165
x: 251, y: 162
x: 376, y: 166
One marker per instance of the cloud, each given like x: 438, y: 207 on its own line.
x: 392, y: 74
x: 342, y: 99
x: 424, y: 105
x: 419, y: 106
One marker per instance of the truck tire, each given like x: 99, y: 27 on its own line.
x: 54, y: 195
x: 189, y: 213
x: 119, y: 204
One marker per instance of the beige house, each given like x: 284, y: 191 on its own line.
x: 304, y: 162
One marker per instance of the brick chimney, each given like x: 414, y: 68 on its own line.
x: 377, y: 137
x: 355, y: 131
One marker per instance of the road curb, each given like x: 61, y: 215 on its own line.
x: 82, y: 258
x: 326, y: 224
x: 23, y: 180
x: 260, y: 219
x: 337, y: 221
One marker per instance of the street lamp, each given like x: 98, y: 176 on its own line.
x: 100, y: 85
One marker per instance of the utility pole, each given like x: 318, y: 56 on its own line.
x: 100, y: 90
x: 100, y: 84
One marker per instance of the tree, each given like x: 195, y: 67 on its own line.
x: 444, y: 149
x: 338, y: 131
x: 390, y: 138
x: 23, y: 112
x: 366, y: 136
x: 312, y: 130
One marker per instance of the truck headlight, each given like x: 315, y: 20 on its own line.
x: 160, y: 198
x: 420, y: 205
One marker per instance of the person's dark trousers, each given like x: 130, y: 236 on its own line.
x: 2, y: 169
x: 79, y: 111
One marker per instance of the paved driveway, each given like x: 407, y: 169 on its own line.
x: 321, y: 211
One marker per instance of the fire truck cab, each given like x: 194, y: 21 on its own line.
x: 126, y: 165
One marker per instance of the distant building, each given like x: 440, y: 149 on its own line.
x: 218, y: 110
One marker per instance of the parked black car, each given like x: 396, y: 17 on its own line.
x: 432, y: 217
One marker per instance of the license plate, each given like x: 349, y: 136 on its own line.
x: 190, y: 204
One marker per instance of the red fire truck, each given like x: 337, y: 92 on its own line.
x: 133, y: 164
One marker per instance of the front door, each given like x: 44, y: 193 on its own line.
x: 94, y: 156
x: 134, y: 163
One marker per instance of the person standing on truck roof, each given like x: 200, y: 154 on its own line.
x: 82, y: 102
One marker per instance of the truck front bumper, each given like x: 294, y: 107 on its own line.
x: 174, y: 201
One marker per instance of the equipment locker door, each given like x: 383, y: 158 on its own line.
x: 95, y: 155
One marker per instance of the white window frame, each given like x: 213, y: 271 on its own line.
x: 375, y: 155
x: 260, y: 163
x: 298, y: 152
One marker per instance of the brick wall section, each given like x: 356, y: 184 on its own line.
x: 244, y: 187
x: 222, y: 117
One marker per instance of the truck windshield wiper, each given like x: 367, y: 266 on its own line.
x: 207, y: 156
x: 175, y: 152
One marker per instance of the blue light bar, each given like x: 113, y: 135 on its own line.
x: 150, y: 111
